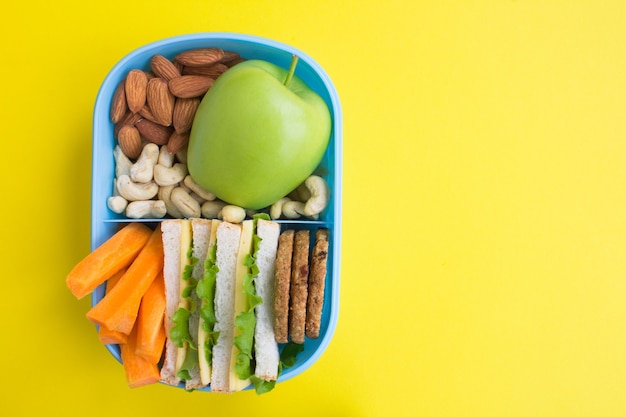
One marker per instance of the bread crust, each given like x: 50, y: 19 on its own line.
x: 299, y: 286
x: 170, y: 230
x: 317, y: 278
x: 266, y: 352
x: 281, y: 285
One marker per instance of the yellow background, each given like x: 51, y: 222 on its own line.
x: 483, y: 270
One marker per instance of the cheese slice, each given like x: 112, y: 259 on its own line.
x: 185, y: 260
x: 241, y: 303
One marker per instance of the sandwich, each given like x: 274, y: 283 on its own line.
x: 219, y: 318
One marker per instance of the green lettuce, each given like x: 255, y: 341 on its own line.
x: 287, y: 359
x: 246, y: 320
x: 179, y: 334
x: 205, y: 290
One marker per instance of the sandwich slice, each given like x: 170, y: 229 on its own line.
x: 205, y: 290
x: 228, y: 236
x: 200, y: 330
x: 179, y: 287
x: 255, y: 355
x: 187, y: 244
x: 265, y: 346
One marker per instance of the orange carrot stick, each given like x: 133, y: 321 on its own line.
x: 150, y: 328
x: 114, y: 254
x: 139, y: 372
x: 111, y: 336
x: 118, y: 309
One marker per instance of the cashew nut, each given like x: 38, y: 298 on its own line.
x: 185, y: 203
x: 277, y: 208
x: 293, y: 209
x: 142, y: 170
x: 196, y: 197
x: 146, y: 209
x: 193, y: 186
x: 135, y: 191
x: 184, y: 187
x: 318, y: 200
x: 169, y: 176
x: 117, y: 204
x: 232, y: 214
x: 211, y: 208
x: 165, y: 194
x: 122, y: 162
x: 165, y: 158
x: 302, y: 192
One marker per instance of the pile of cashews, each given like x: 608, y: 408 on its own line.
x: 157, y: 184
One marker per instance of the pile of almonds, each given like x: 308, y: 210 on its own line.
x: 159, y: 105
x: 152, y: 112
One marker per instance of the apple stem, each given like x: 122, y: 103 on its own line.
x: 292, y: 70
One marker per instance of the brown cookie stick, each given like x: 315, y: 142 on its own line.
x: 299, y: 286
x: 317, y: 278
x: 281, y: 286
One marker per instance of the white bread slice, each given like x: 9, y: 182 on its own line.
x: 241, y: 301
x: 265, y: 346
x: 171, y: 230
x: 201, y: 232
x: 228, y: 236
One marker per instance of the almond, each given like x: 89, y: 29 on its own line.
x: 177, y: 142
x: 234, y: 62
x: 129, y: 141
x: 200, y: 57
x: 179, y: 66
x: 153, y: 132
x: 184, y: 112
x: 146, y: 113
x: 212, y: 71
x: 163, y: 67
x: 187, y: 86
x: 229, y: 56
x: 135, y: 89
x: 129, y: 118
x: 160, y: 100
x: 118, y: 103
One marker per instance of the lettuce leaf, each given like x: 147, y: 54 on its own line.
x: 205, y: 290
x: 289, y: 355
x: 179, y: 334
x: 180, y: 331
x: 246, y: 320
x: 287, y: 360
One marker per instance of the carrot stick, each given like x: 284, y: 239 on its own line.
x: 118, y: 309
x: 150, y: 328
x: 114, y: 254
x: 111, y: 336
x: 139, y: 372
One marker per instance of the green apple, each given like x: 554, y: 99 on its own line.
x: 258, y: 133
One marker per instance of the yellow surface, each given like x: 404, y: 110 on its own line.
x: 490, y: 136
